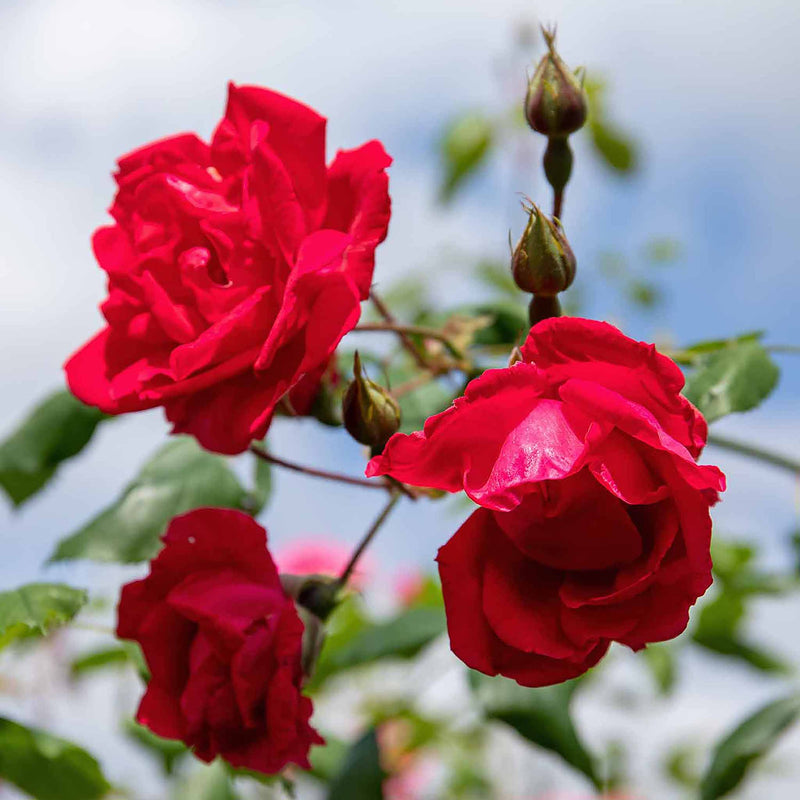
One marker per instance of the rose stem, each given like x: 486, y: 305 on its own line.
x: 417, y: 330
x: 388, y: 484
x: 558, y: 203
x: 318, y: 473
x: 368, y: 536
x: 388, y: 317
x: 750, y: 450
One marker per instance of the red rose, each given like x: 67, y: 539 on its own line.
x: 594, y: 524
x: 223, y: 644
x: 233, y: 270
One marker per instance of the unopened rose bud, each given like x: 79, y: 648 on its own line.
x: 556, y: 103
x: 315, y: 597
x: 371, y: 415
x: 543, y: 262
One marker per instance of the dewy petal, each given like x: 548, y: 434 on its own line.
x: 494, y: 442
x: 359, y: 204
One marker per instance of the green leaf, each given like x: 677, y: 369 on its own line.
x: 509, y: 325
x: 745, y: 744
x: 542, y: 716
x: 401, y: 637
x: 735, y: 378
x: 712, y: 345
x: 37, y: 608
x: 168, y: 752
x: 46, y: 767
x: 660, y: 659
x: 207, y: 782
x: 663, y: 250
x: 56, y: 430
x: 326, y: 760
x: 464, y: 147
x: 718, y: 629
x: 361, y: 776
x: 180, y: 477
x: 100, y: 659
x: 616, y: 149
x: 262, y: 486
x: 497, y: 276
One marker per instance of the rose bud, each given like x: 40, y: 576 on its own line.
x: 543, y: 262
x: 371, y: 414
x: 225, y: 645
x: 555, y: 104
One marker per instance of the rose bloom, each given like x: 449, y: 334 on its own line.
x: 594, y: 523
x: 234, y: 269
x: 223, y: 645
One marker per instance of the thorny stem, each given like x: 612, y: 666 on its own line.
x: 389, y: 318
x: 413, y: 384
x: 775, y: 459
x: 413, y: 330
x: 387, y: 484
x: 318, y: 473
x: 368, y: 537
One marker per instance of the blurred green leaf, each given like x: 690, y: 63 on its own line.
x: 681, y: 766
x: 261, y: 493
x: 615, y: 148
x: 718, y: 629
x: 167, y: 752
x: 745, y: 744
x: 735, y: 378
x: 509, y: 325
x: 361, y: 775
x: 56, y: 430
x: 498, y: 276
x: 663, y: 250
x: 179, y: 477
x: 46, y: 767
x: 660, y: 660
x: 207, y: 782
x: 542, y: 716
x: 719, y: 623
x: 326, y: 760
x: 402, y: 636
x: 37, y: 608
x: 643, y: 293
x: 100, y: 659
x: 463, y: 149
x: 712, y: 345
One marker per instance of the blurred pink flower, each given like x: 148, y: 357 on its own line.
x: 408, y: 586
x: 318, y: 556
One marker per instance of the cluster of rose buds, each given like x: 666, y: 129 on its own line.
x: 555, y: 106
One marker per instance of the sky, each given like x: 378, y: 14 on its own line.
x: 706, y: 87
